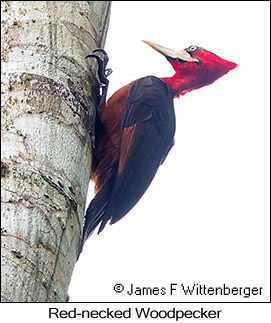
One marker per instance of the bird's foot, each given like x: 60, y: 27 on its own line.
x: 103, y: 72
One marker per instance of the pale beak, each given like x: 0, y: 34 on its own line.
x: 181, y: 54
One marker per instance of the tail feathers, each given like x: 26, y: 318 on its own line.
x: 94, y: 216
x: 104, y: 221
x: 96, y: 210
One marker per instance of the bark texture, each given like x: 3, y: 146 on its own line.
x: 49, y: 94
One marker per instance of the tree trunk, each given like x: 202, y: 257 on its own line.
x: 49, y: 94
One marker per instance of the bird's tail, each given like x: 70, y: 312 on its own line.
x: 95, y: 212
x: 94, y: 215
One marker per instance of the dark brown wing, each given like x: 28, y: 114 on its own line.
x: 147, y: 134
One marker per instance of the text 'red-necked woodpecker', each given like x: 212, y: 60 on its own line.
x: 135, y: 130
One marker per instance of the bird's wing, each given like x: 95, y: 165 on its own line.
x: 147, y: 134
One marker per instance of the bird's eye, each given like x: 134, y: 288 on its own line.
x: 192, y: 48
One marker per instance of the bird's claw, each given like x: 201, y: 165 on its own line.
x: 108, y: 71
x: 103, y: 72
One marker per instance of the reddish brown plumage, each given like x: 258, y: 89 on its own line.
x: 128, y: 134
x: 107, y: 144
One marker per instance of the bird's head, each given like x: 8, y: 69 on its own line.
x: 194, y: 67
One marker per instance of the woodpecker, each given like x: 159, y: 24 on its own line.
x: 135, y: 129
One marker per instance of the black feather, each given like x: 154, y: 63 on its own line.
x: 149, y: 106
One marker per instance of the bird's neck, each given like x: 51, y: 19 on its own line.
x: 179, y: 85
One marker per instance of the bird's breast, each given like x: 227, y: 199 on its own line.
x: 107, y: 137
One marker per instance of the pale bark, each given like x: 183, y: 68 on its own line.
x: 49, y: 93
